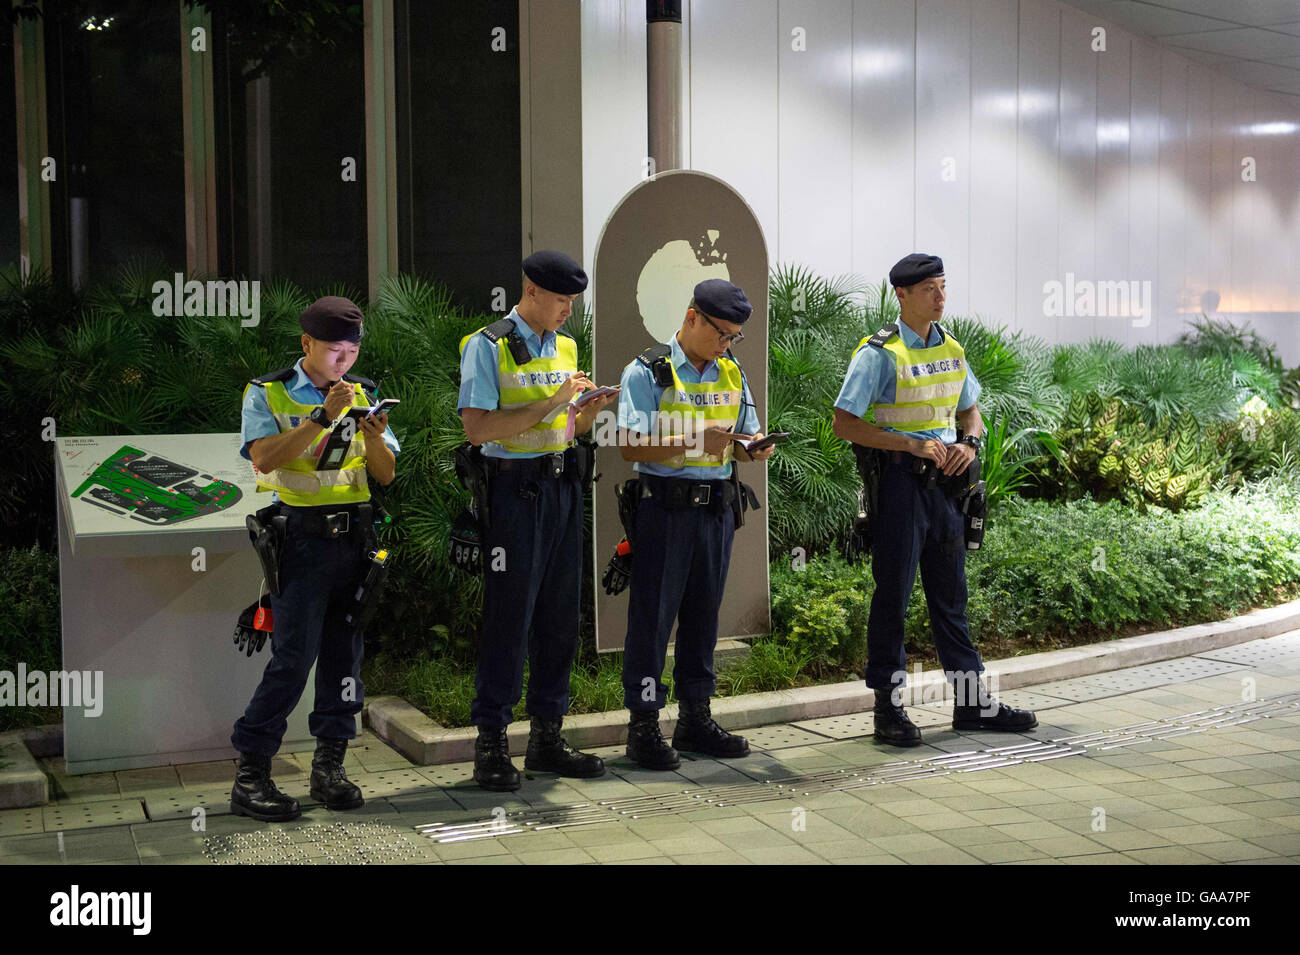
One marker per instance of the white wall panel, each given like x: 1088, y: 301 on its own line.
x: 1243, y: 204
x: 1037, y: 213
x: 614, y: 141
x: 1144, y: 183
x: 1223, y: 179
x: 1172, y: 219
x: 992, y: 226
x: 1115, y: 165
x: 734, y: 94
x: 1113, y: 137
x: 884, y: 114
x: 815, y: 63
x: 1200, y: 106
x: 1076, y: 186
x: 943, y: 63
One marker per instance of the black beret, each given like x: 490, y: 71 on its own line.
x: 332, y: 319
x: 555, y: 272
x: 915, y: 268
x: 718, y: 298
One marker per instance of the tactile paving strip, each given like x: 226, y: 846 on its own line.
x: 181, y: 805
x: 87, y: 815
x: 503, y: 823
x: 448, y: 774
x: 782, y: 737
x: 1281, y: 651
x: 339, y: 843
x: 1102, y: 685
x: 22, y: 822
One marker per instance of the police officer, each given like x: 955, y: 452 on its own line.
x: 681, y: 405
x: 328, y: 533
x: 518, y: 377
x: 913, y: 375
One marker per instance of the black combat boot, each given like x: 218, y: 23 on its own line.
x: 990, y: 715
x: 892, y: 723
x: 549, y: 752
x: 255, y: 796
x: 329, y: 782
x: 646, y: 745
x: 492, y: 767
x: 698, y: 732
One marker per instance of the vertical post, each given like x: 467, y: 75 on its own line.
x: 663, y: 41
x: 381, y: 144
x: 33, y: 146
x: 199, y: 133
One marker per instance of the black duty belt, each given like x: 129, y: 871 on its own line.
x: 327, y: 522
x: 674, y: 493
x: 547, y: 465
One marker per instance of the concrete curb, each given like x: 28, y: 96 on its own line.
x: 22, y: 782
x: 425, y: 742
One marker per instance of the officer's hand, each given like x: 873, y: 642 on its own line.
x: 573, y: 386
x: 765, y: 453
x: 717, y: 439
x: 596, y: 405
x: 373, y: 425
x: 959, y: 458
x: 339, y: 397
x: 933, y: 449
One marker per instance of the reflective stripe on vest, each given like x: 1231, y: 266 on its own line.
x: 708, y: 404
x: 522, y: 385
x: 928, y: 383
x: 298, y: 483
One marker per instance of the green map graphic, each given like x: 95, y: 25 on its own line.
x: 154, y: 490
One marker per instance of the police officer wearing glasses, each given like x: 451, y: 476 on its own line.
x: 289, y: 418
x: 518, y: 377
x: 681, y: 405
x: 914, y: 377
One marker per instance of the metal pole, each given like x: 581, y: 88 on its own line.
x: 663, y: 41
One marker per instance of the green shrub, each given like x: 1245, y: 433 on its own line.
x: 30, y: 631
x: 820, y: 612
x: 1105, y: 449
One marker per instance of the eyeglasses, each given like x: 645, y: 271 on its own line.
x: 725, y: 339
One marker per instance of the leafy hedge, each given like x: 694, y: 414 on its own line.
x: 1053, y: 571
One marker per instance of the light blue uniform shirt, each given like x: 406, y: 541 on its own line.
x: 479, y: 383
x: 258, y: 422
x: 638, y: 410
x: 872, y: 379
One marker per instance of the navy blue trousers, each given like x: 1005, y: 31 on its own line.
x: 679, y: 568
x: 532, y: 595
x: 916, y: 527
x: 318, y: 580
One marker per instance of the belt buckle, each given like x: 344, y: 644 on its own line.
x: 701, y: 494
x: 557, y: 463
x: 331, y: 522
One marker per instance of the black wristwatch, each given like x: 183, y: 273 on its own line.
x: 974, y: 442
x: 318, y: 416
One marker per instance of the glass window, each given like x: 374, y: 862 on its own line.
x: 290, y: 142
x: 458, y: 160
x: 114, y: 121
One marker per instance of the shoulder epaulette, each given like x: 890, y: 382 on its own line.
x: 564, y: 334
x: 653, y: 354
x: 284, y: 374
x: 943, y: 332
x: 499, y: 329
x: 365, y: 383
x: 884, y: 335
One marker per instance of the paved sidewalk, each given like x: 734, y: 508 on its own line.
x: 1205, y: 794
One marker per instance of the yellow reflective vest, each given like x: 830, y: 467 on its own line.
x: 298, y: 483
x: 540, y: 378
x: 928, y: 384
x: 708, y: 404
